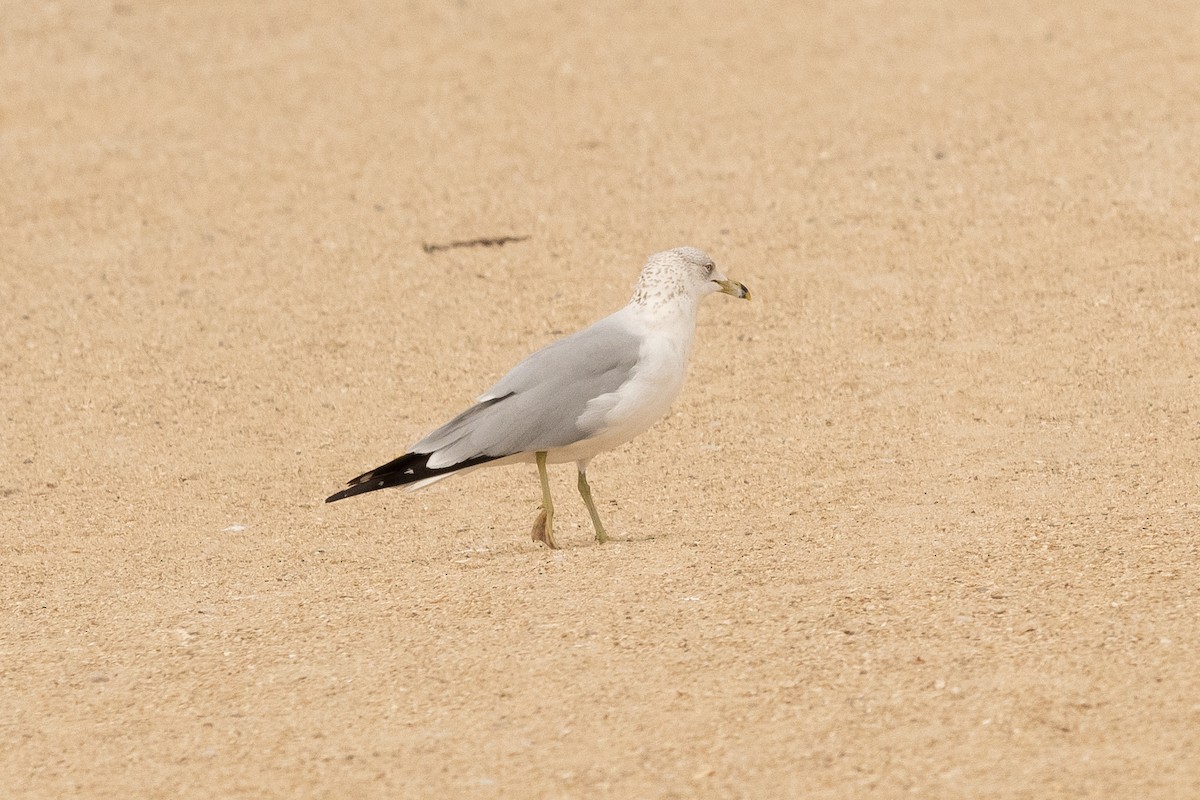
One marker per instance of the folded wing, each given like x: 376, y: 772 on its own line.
x: 537, y: 406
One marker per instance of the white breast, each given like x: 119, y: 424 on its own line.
x: 653, y: 386
x: 648, y: 393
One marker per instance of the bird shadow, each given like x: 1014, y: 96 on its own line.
x: 483, y: 553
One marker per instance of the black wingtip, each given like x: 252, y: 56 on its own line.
x: 408, y: 468
x: 359, y: 487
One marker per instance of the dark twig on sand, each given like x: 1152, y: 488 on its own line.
x: 497, y: 241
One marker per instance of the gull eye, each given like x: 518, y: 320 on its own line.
x: 708, y: 268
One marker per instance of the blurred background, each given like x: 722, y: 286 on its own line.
x: 923, y: 520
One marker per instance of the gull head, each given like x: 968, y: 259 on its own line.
x: 683, y: 275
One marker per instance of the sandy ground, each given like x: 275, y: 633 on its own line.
x: 924, y: 521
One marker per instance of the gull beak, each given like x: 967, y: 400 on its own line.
x: 733, y: 288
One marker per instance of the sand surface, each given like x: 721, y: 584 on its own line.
x: 923, y: 523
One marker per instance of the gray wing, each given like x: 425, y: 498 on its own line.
x: 537, y: 405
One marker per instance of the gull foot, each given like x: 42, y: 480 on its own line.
x: 543, y: 531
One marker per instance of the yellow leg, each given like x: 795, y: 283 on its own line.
x: 543, y: 526
x: 585, y: 491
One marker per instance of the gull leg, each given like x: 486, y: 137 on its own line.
x: 585, y: 492
x: 543, y: 526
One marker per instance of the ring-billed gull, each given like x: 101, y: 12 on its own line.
x: 577, y: 397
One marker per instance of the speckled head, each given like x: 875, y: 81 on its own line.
x: 684, y: 274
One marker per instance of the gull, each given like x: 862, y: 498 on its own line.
x: 584, y: 394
